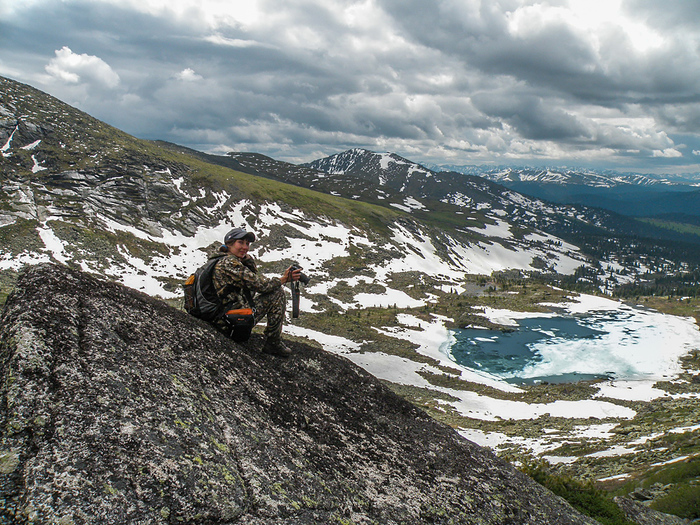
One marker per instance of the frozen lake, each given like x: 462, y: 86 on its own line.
x: 592, y: 338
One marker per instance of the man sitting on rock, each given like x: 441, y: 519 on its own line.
x: 239, y: 285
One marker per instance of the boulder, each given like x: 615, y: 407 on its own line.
x: 643, y: 515
x: 117, y: 409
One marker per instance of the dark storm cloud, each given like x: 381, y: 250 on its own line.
x: 565, y: 65
x: 532, y: 117
x: 554, y: 55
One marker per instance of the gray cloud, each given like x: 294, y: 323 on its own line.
x: 468, y: 82
x: 665, y: 16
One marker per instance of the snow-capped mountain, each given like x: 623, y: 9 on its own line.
x: 403, y: 179
x: 383, y: 169
x: 392, y: 247
x: 77, y: 191
x: 561, y: 176
x: 80, y: 192
x: 630, y: 194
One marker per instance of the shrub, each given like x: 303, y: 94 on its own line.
x: 683, y: 501
x: 583, y: 496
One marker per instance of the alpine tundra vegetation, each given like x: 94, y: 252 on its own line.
x: 404, y: 260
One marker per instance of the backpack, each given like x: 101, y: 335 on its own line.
x: 201, y: 299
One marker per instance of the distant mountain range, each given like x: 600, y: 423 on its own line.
x: 387, y: 242
x: 630, y: 194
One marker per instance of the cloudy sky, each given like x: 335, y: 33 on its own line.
x: 598, y: 83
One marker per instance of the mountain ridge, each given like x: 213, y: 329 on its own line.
x: 631, y: 194
x: 389, y: 269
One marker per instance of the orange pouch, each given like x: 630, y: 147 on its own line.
x: 241, y: 322
x: 188, y: 288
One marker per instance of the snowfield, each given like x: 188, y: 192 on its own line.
x: 649, y: 343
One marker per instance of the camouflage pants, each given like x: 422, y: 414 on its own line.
x: 272, y: 305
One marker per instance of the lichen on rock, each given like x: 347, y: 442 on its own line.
x: 117, y: 408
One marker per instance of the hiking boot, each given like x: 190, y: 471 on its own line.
x: 276, y: 347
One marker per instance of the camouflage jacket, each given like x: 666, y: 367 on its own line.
x: 232, y: 275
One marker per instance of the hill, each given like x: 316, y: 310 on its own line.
x: 73, y: 188
x: 118, y: 409
x: 401, y: 258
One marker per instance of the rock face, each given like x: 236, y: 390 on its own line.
x: 118, y: 409
x: 643, y: 515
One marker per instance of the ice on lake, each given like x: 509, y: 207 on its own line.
x: 591, y: 338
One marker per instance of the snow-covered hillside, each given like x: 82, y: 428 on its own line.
x: 393, y: 251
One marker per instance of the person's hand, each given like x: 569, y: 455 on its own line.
x: 291, y: 276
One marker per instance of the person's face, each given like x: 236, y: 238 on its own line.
x: 239, y: 248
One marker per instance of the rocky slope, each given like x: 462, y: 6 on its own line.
x: 119, y: 409
x: 390, y: 267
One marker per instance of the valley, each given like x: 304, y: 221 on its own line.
x: 621, y: 433
x: 398, y: 256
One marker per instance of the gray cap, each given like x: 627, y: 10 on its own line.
x: 238, y: 233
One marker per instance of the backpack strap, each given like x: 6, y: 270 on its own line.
x: 249, y: 298
x: 232, y: 287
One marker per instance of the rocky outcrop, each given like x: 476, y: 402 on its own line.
x: 643, y: 515
x: 117, y: 409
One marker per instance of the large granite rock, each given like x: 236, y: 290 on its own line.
x: 116, y: 409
